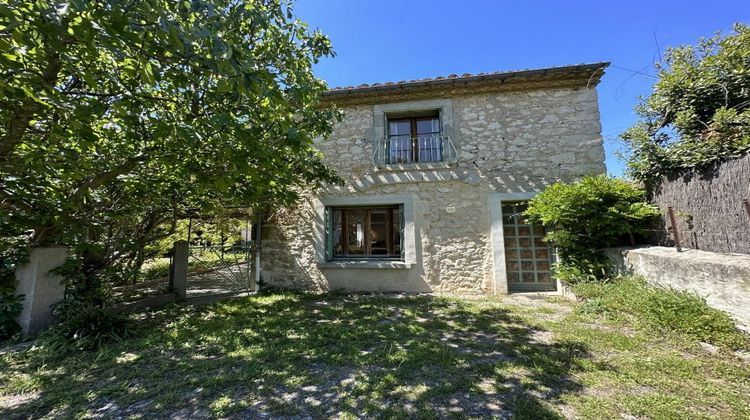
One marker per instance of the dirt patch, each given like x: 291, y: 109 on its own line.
x: 18, y: 400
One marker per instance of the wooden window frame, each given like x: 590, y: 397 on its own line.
x: 413, y: 134
x: 367, y: 239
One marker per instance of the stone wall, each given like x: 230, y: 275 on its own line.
x: 518, y: 141
x: 40, y: 287
x: 722, y: 279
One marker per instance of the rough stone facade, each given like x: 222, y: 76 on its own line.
x: 508, y: 141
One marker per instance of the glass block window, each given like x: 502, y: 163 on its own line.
x: 528, y: 259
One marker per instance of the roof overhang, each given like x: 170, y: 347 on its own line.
x: 575, y: 76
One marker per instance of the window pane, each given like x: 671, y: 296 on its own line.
x: 337, y: 216
x: 399, y: 127
x: 366, y: 232
x: 355, y: 226
x: 378, y: 215
x: 428, y: 126
x: 338, y: 243
x: 400, y: 149
x: 430, y: 148
x: 378, y: 239
x: 396, y: 232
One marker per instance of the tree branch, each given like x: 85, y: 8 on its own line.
x: 106, y: 177
x: 25, y: 113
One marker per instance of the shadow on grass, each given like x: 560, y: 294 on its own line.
x: 310, y: 356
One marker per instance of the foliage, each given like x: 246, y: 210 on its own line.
x: 119, y: 118
x: 220, y: 230
x: 85, y: 326
x: 156, y: 269
x: 13, y: 253
x: 662, y: 310
x: 699, y: 111
x: 583, y: 217
x: 83, y: 287
x: 84, y: 321
x: 11, y: 306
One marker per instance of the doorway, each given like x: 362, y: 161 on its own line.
x: 528, y: 259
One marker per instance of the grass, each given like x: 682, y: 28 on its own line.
x: 201, y: 261
x: 337, y: 355
x: 661, y: 311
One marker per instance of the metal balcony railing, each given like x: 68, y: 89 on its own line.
x: 423, y: 149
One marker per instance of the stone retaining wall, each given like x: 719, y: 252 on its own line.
x: 722, y: 279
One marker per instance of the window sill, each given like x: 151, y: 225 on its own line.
x: 414, y: 166
x: 365, y: 264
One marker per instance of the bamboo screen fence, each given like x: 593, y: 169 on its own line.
x: 711, y: 208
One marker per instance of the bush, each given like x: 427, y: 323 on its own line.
x: 10, y: 307
x: 156, y: 269
x: 85, y: 326
x: 661, y: 310
x: 583, y: 217
x: 13, y: 252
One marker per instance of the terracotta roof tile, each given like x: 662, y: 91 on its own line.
x: 550, y: 71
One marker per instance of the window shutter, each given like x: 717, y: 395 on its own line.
x: 329, y: 234
x: 401, y: 233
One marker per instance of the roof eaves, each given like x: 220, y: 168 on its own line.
x: 467, y: 79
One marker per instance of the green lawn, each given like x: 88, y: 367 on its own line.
x: 305, y: 355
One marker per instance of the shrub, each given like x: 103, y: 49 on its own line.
x: 10, y: 307
x: 13, y: 252
x: 84, y: 326
x: 661, y: 310
x: 583, y: 217
x: 156, y: 269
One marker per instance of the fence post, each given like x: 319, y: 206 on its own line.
x: 256, y: 265
x: 41, y: 289
x: 180, y: 254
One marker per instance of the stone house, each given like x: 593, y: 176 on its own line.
x: 437, y: 172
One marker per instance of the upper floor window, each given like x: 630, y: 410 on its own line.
x: 414, y: 139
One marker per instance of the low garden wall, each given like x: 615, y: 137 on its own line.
x: 722, y: 279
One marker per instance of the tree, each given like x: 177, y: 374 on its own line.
x: 119, y: 116
x: 699, y: 111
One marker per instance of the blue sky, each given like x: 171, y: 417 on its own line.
x: 390, y: 40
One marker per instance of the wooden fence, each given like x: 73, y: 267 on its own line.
x: 710, y: 208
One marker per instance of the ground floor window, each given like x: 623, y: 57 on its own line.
x: 364, y: 232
